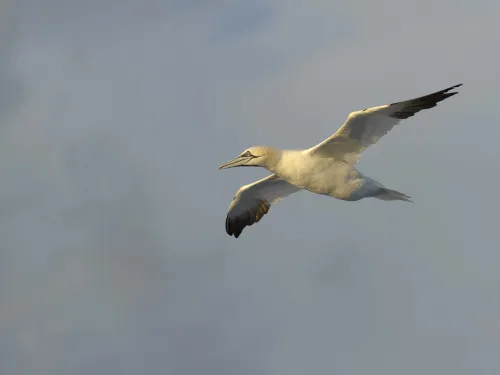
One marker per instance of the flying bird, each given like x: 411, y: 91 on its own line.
x: 327, y: 168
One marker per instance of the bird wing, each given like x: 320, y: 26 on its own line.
x: 253, y: 201
x: 364, y: 128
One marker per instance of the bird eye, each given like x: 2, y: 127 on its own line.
x: 248, y: 153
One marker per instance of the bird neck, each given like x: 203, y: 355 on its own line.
x: 272, y: 158
x: 280, y: 159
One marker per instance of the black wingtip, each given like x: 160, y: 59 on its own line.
x: 232, y: 230
x: 412, y: 106
x: 236, y: 224
x: 446, y: 94
x: 452, y: 87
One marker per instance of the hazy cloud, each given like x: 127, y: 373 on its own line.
x: 113, y: 255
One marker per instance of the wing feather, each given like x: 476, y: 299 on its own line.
x: 364, y: 128
x: 253, y: 201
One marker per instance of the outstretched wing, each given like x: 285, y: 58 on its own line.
x: 253, y: 201
x: 364, y: 128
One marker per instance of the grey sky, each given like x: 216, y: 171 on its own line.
x: 114, y: 118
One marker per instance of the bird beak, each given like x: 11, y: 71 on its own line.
x: 238, y: 162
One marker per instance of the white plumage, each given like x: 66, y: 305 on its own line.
x: 327, y: 168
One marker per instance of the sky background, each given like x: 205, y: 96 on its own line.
x: 114, y: 116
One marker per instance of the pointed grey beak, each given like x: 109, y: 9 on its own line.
x: 238, y: 162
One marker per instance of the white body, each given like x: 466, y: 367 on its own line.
x: 324, y: 175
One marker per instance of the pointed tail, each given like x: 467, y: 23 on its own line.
x: 392, y: 195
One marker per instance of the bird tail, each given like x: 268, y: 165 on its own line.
x: 392, y: 195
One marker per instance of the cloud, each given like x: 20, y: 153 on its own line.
x: 113, y: 254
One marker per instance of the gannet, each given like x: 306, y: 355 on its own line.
x: 327, y: 168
